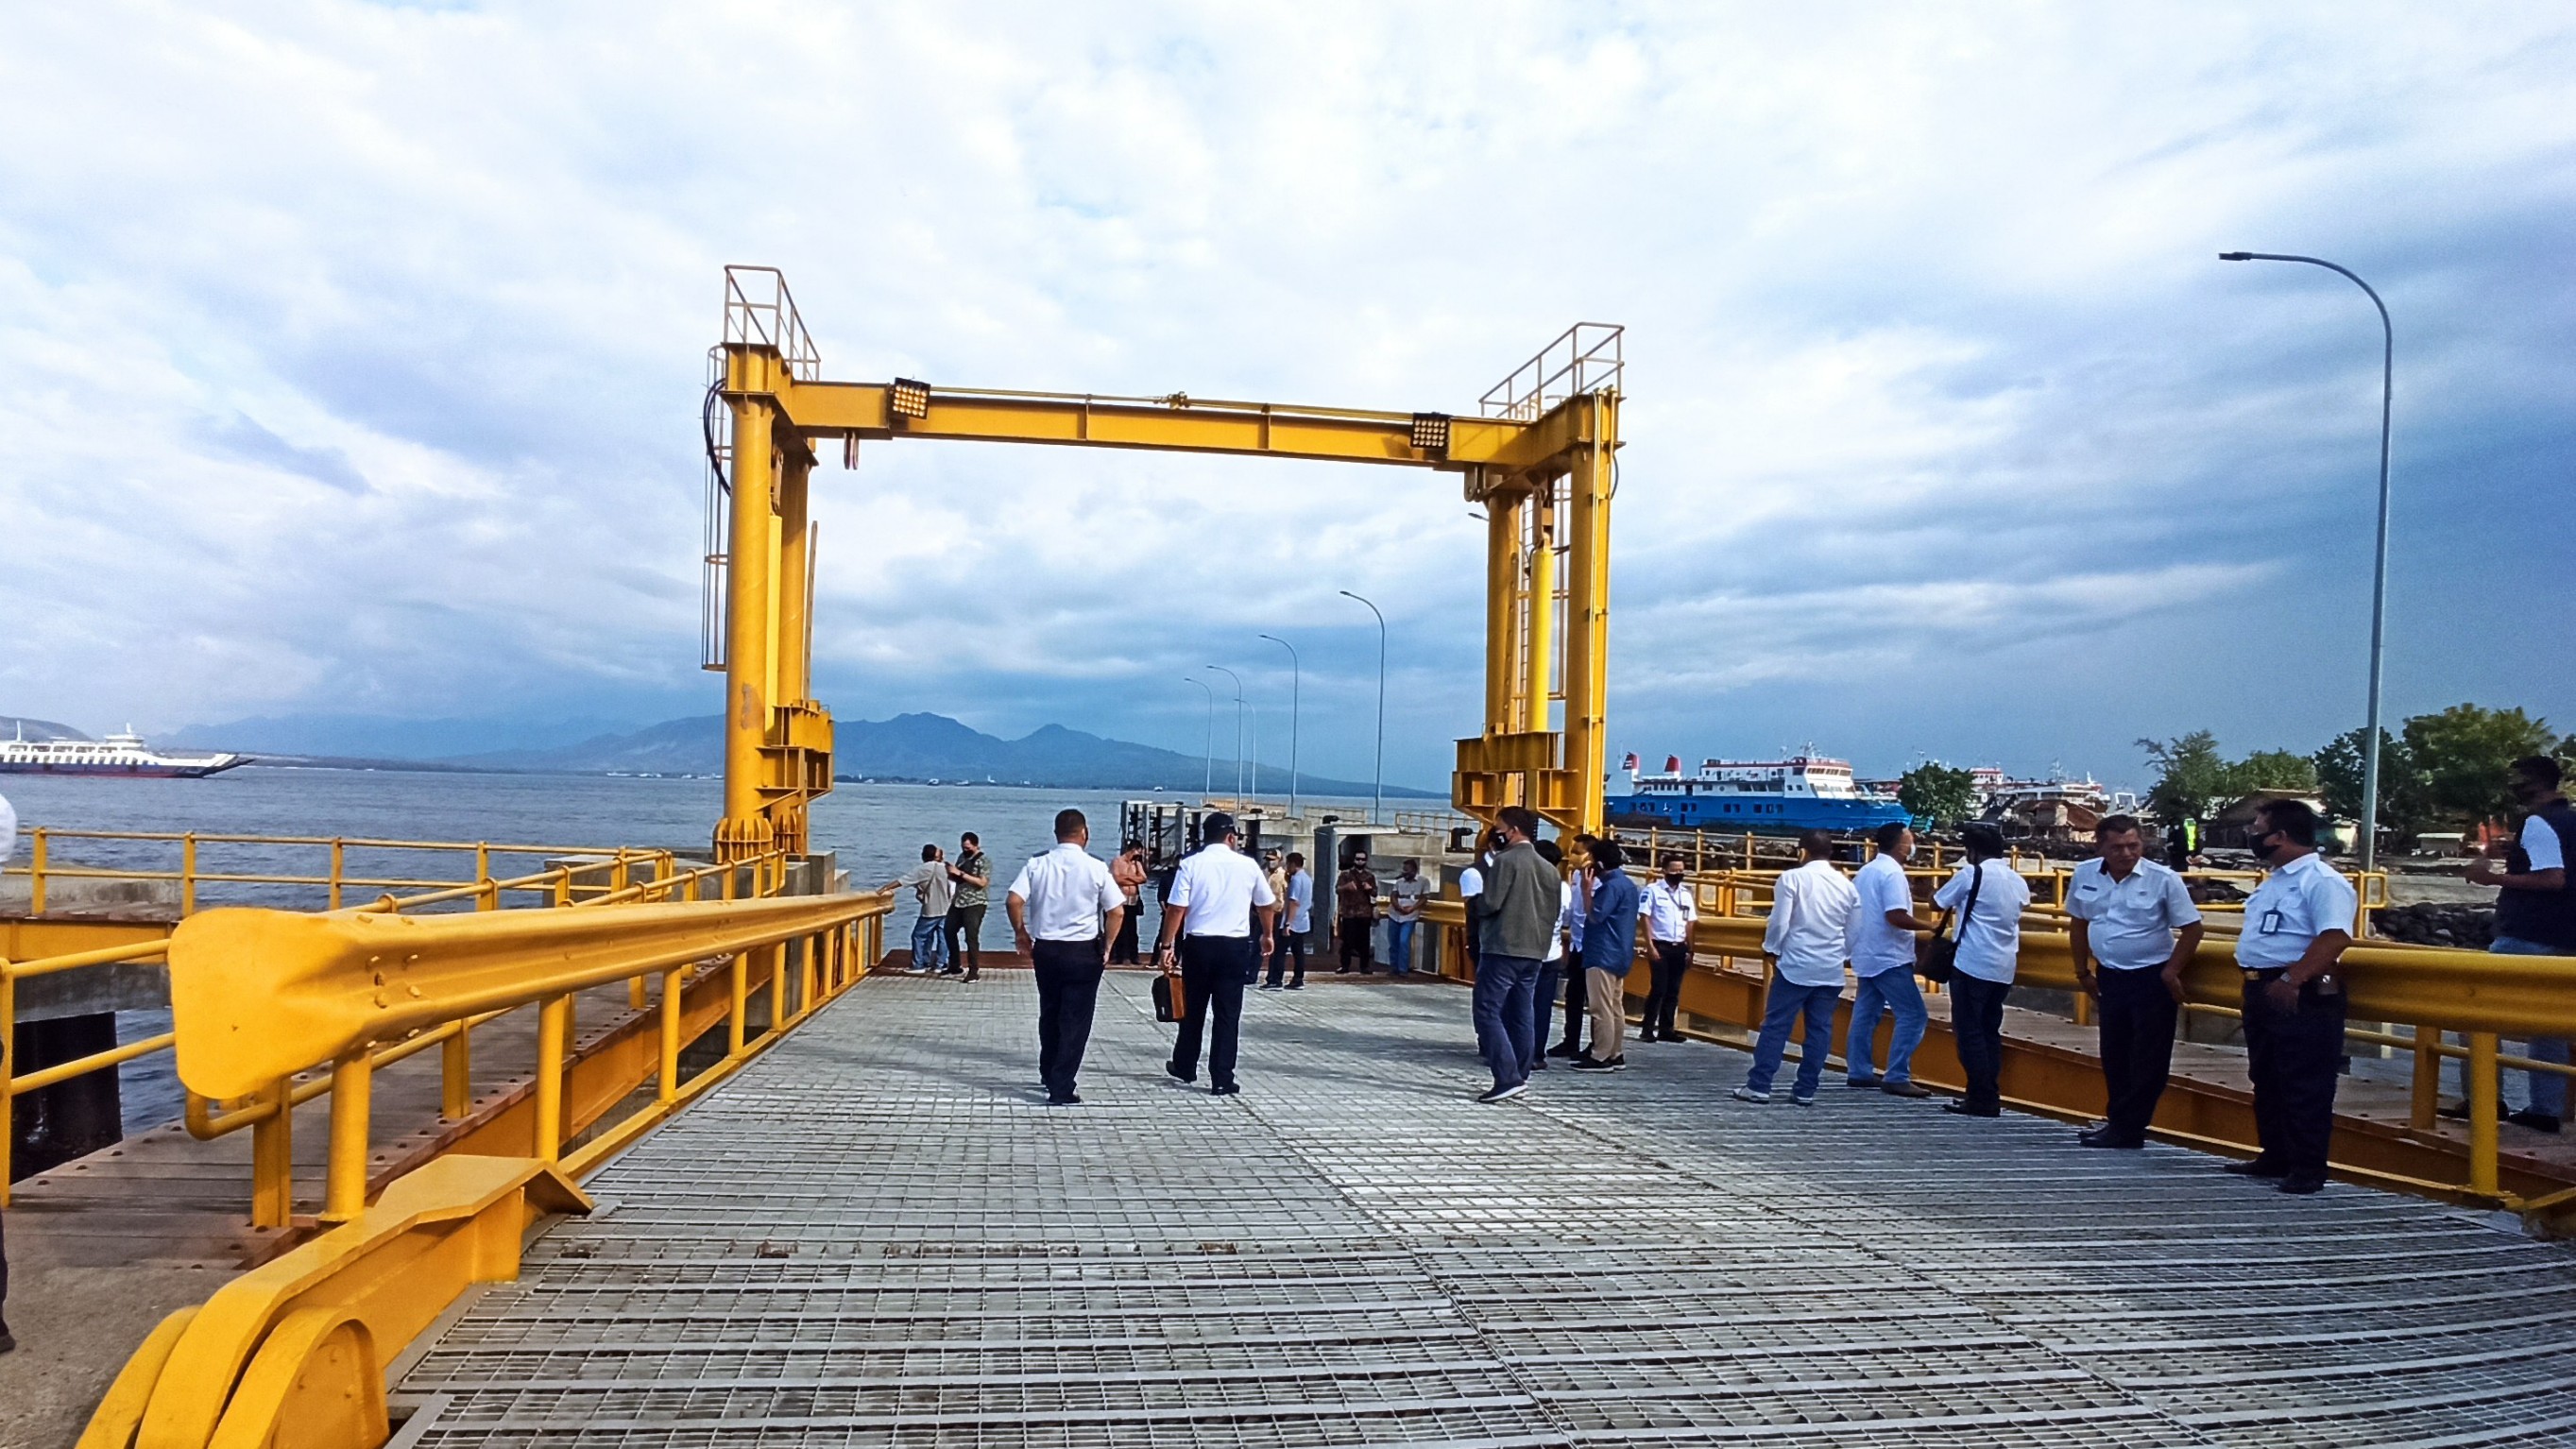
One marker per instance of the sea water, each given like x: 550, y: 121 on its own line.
x: 877, y: 831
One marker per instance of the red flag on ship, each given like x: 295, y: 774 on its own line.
x: 1629, y: 763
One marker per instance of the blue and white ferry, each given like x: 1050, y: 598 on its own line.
x: 1802, y: 792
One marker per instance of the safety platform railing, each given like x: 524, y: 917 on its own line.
x: 2411, y: 999
x: 300, y: 1342
x: 584, y: 877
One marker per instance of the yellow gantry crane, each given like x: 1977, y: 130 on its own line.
x: 1539, y: 457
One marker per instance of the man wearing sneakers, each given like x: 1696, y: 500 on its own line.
x: 1210, y: 913
x: 1609, y: 949
x: 1518, y: 908
x: 1881, y: 942
x: 1295, y: 887
x: 2535, y: 910
x: 1811, y: 909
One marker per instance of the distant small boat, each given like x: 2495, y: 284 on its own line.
x: 121, y: 754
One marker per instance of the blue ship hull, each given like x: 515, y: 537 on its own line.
x: 1775, y: 815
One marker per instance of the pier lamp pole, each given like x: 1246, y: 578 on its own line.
x: 1295, y: 672
x: 1207, y: 766
x: 2379, y: 564
x: 1238, y: 730
x: 1377, y: 802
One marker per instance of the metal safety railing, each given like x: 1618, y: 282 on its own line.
x: 589, y: 878
x: 301, y: 1342
x: 1587, y: 358
x: 2434, y: 1003
x: 760, y: 312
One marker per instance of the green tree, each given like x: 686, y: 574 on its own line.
x: 2404, y: 812
x: 2463, y: 754
x: 2192, y: 777
x: 2271, y: 770
x: 1937, y: 794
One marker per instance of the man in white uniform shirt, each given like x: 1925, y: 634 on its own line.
x: 2298, y: 924
x: 1065, y: 910
x: 1987, y: 896
x: 1811, y: 909
x: 1881, y: 943
x: 1669, y: 906
x: 2136, y: 918
x: 1210, y: 911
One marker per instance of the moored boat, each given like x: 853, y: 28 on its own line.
x: 1802, y: 792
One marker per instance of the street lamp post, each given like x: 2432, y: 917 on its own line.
x: 1377, y: 801
x: 2379, y: 564
x: 1295, y: 673
x: 1238, y: 730
x: 1207, y: 766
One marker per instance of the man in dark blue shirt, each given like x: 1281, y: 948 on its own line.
x: 1609, y: 949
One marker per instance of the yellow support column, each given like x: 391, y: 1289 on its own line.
x: 1502, y: 611
x: 1587, y: 610
x: 745, y: 830
x: 1539, y: 626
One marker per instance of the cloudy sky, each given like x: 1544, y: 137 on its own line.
x: 350, y: 356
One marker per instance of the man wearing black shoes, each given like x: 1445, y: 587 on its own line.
x: 1065, y: 910
x: 2298, y: 924
x: 2135, y: 919
x: 1210, y: 911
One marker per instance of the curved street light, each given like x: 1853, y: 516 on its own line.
x: 2379, y: 566
x: 1377, y: 801
x: 1238, y: 730
x: 1295, y: 671
x: 1207, y: 766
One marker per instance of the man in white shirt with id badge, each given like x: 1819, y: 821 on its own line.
x: 2298, y: 923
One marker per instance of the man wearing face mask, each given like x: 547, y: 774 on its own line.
x: 2298, y: 923
x: 1669, y: 906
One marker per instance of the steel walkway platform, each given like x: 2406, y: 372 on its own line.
x: 878, y: 1236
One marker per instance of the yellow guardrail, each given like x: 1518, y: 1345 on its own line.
x: 297, y: 1347
x: 2483, y: 998
x: 593, y: 878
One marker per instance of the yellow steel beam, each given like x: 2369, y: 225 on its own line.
x: 1175, y: 424
x: 259, y: 994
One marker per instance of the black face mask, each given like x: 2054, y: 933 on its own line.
x: 1673, y: 880
x: 2263, y: 846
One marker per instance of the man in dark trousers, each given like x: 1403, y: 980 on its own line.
x: 2298, y: 923
x: 1518, y: 909
x: 1217, y: 899
x: 1065, y: 910
x: 2535, y: 910
x: 972, y: 875
x: 1355, y: 914
x: 2135, y: 919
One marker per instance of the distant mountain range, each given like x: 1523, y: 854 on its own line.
x: 17, y: 727
x: 907, y: 747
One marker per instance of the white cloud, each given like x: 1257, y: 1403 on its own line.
x: 351, y: 353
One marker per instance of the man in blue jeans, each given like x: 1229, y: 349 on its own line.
x: 1811, y: 909
x: 1518, y: 909
x: 1404, y: 897
x: 2535, y: 911
x: 1880, y: 940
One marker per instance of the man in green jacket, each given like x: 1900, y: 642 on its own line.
x: 1516, y: 913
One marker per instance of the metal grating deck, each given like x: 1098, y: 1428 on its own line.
x: 877, y: 1236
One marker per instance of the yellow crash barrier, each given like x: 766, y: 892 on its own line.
x: 258, y: 994
x: 291, y: 1354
